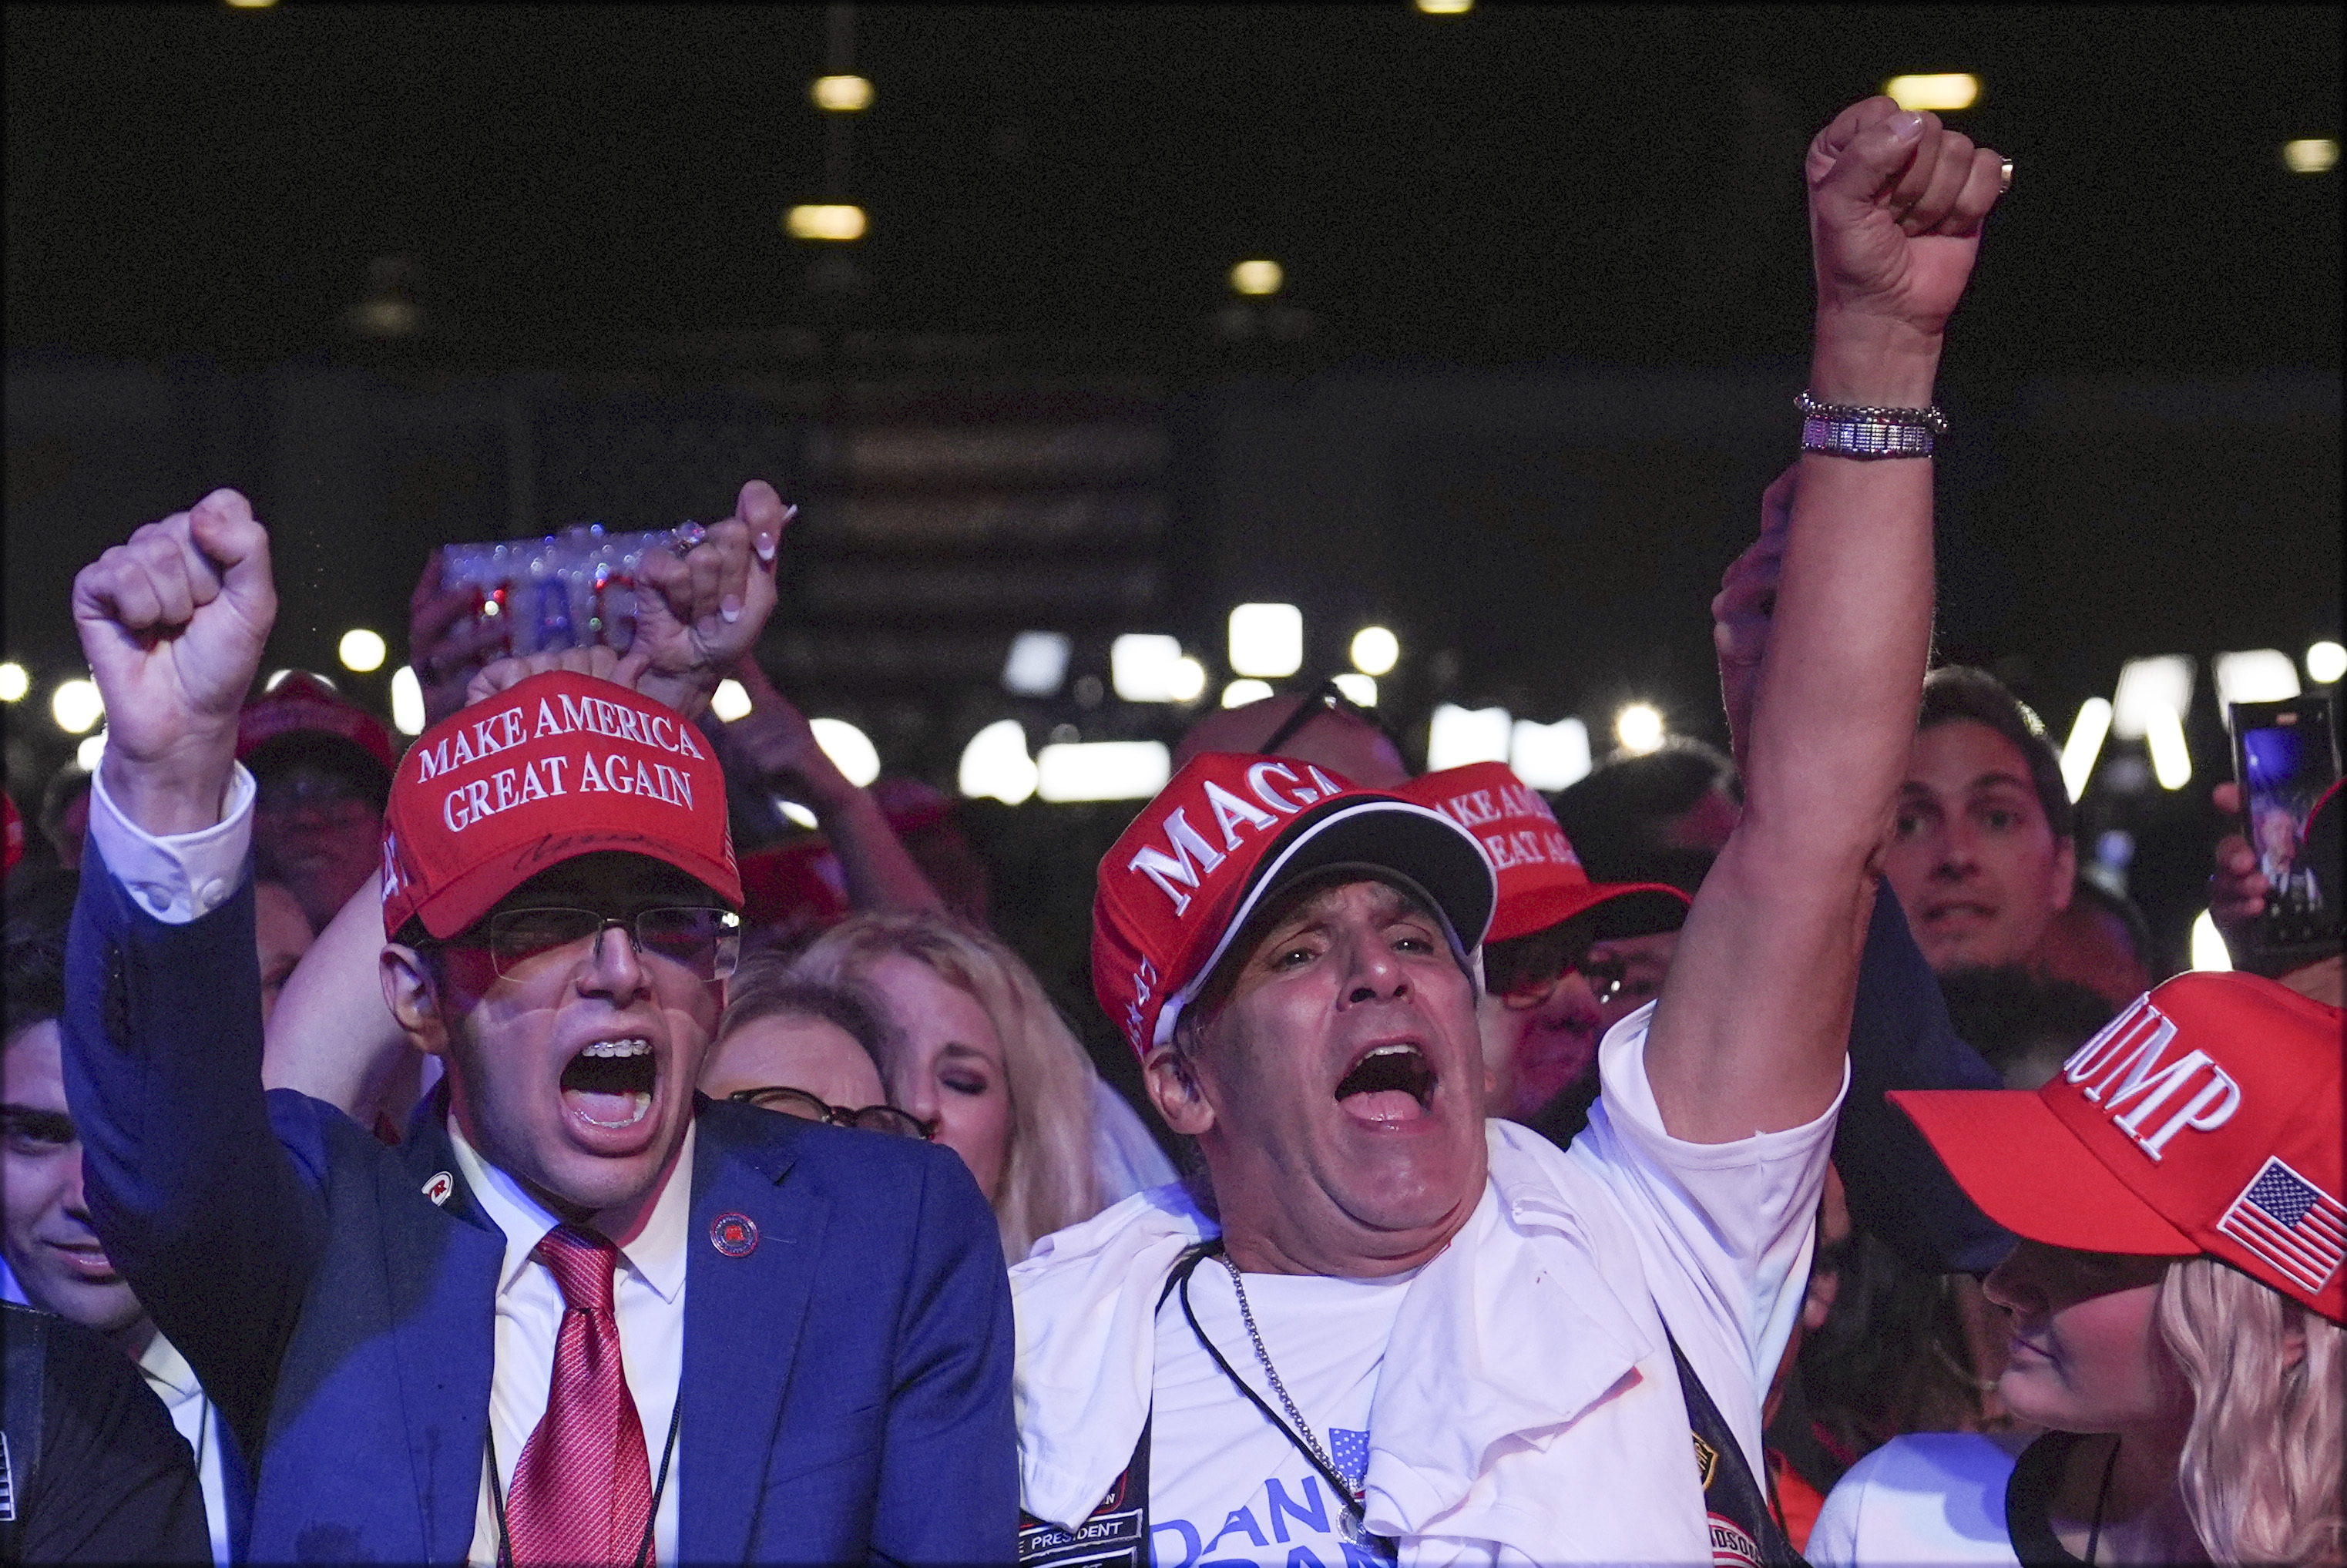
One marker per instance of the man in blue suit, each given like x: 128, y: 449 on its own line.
x: 582, y: 1315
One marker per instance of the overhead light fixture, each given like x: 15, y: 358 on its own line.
x: 837, y: 221
x: 995, y: 764
x: 731, y: 701
x: 14, y: 681
x: 1267, y: 639
x: 1376, y: 651
x: 1141, y: 667
x: 406, y: 701
x: 2325, y: 663
x: 2310, y: 155
x: 360, y: 651
x: 2255, y: 675
x: 793, y: 812
x: 848, y: 748
x: 1639, y: 727
x: 2087, y: 731
x: 841, y: 94
x: 2172, y: 759
x: 1359, y: 690
x: 1239, y: 693
x: 1456, y: 736
x: 1188, y: 682
x: 76, y: 705
x: 1037, y: 663
x: 1549, y: 756
x: 1102, y: 770
x: 2147, y: 686
x: 1257, y: 277
x: 2208, y: 949
x: 1943, y: 90
x: 1444, y: 7
x: 88, y: 753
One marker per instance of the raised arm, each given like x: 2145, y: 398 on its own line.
x: 1750, y: 1031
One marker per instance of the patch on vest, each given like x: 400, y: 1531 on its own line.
x: 1706, y: 1461
x: 1730, y: 1547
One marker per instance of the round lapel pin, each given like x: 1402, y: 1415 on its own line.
x: 438, y: 1188
x: 735, y: 1235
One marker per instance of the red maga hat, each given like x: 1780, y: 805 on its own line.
x: 302, y: 701
x: 1542, y: 882
x: 560, y: 765
x: 1225, y: 832
x: 2204, y: 1118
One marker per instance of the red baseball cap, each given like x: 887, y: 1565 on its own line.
x: 557, y: 766
x: 1225, y: 832
x: 1542, y: 882
x: 303, y: 702
x: 2204, y: 1118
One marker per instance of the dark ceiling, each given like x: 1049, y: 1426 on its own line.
x: 1518, y: 183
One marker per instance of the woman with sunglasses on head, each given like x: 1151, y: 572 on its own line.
x: 2176, y: 1301
x: 973, y: 1047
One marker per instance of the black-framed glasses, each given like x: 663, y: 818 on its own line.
x: 807, y: 1107
x: 706, y: 942
x: 1326, y: 697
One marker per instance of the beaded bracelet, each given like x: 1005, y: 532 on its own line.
x: 1847, y: 430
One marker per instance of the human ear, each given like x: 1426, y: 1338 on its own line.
x: 1174, y: 1089
x: 411, y: 990
x: 2065, y: 872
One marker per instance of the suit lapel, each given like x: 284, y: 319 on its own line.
x: 741, y: 1320
x: 444, y: 1265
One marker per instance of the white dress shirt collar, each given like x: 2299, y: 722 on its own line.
x: 656, y: 1255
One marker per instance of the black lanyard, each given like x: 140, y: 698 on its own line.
x: 644, y: 1549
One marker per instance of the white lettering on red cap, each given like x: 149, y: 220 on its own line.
x: 2123, y: 1058
x: 1230, y: 810
x: 1171, y: 867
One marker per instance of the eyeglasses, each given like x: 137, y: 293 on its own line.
x: 707, y: 943
x: 806, y: 1107
x: 1522, y: 992
x: 1326, y: 697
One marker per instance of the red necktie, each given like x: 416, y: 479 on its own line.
x: 582, y: 1491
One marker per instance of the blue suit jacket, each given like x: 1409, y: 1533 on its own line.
x: 846, y: 1386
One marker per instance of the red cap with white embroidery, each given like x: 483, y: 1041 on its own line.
x: 2205, y: 1118
x: 301, y: 702
x: 556, y: 766
x: 1225, y: 832
x: 1542, y: 882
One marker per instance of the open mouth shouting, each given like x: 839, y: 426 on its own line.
x: 609, y: 1083
x: 1388, y: 1084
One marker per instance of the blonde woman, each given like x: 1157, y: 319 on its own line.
x: 975, y: 1047
x: 2177, y: 1301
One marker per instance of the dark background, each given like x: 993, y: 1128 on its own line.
x: 1546, y: 308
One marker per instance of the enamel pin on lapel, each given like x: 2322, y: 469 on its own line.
x: 438, y: 1188
x: 735, y: 1235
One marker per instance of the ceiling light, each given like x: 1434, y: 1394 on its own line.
x: 835, y: 220
x: 2310, y: 155
x: 795, y: 813
x: 1376, y: 651
x: 1457, y: 736
x: 1639, y: 728
x: 1946, y: 90
x: 88, y: 753
x: 1550, y: 756
x: 995, y: 764
x: 14, y: 681
x: 1188, y: 682
x: 1257, y: 277
x: 2256, y: 675
x: 2147, y: 686
x: 362, y: 651
x: 1239, y: 693
x: 406, y: 701
x: 2208, y: 950
x: 1102, y: 770
x: 2325, y: 662
x: 1358, y: 689
x: 1444, y: 7
x: 1267, y: 639
x: 2087, y: 731
x: 731, y: 701
x: 1141, y: 666
x: 848, y: 748
x: 841, y: 95
x: 76, y: 705
x: 1037, y: 663
x: 2172, y: 759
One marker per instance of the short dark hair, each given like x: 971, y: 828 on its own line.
x: 1613, y: 811
x: 40, y: 911
x: 345, y: 759
x: 1955, y: 692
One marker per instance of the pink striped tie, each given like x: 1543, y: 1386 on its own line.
x: 582, y: 1492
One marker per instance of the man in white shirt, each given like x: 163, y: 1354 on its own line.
x: 1400, y: 1329
x: 579, y: 1314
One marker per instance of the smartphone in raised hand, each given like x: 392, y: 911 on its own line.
x: 2286, y: 759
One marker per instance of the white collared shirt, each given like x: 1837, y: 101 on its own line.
x: 198, y: 1420
x: 647, y: 1297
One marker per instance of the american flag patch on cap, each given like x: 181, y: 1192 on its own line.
x: 2290, y: 1224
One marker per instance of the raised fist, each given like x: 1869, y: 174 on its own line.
x: 697, y: 612
x: 1895, y: 207
x: 173, y: 623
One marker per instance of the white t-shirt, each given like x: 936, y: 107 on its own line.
x: 1925, y: 1498
x: 1224, y: 1485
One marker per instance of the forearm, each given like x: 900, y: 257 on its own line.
x: 880, y: 873
x: 332, y: 1036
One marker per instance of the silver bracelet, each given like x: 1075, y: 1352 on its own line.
x: 1846, y: 430
x: 1930, y: 418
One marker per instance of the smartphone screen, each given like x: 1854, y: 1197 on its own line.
x: 2287, y: 756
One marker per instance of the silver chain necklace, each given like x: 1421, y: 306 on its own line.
x: 1353, y: 1527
